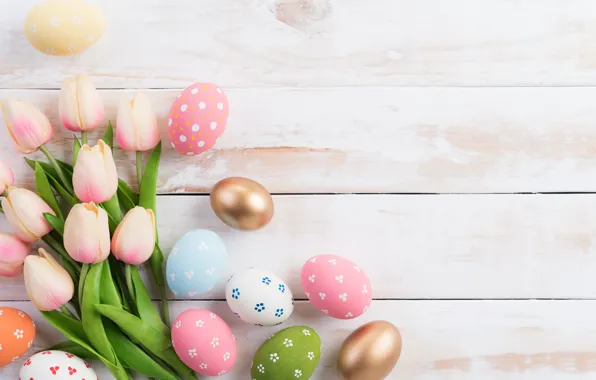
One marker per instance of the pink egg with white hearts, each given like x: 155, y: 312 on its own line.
x: 197, y: 118
x: 204, y: 342
x: 336, y: 286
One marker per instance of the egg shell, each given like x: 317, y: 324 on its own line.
x: 64, y: 27
x: 197, y: 118
x: 56, y: 365
x: 259, y: 297
x: 204, y: 342
x: 292, y: 353
x: 336, y: 286
x: 195, y: 263
x: 17, y: 331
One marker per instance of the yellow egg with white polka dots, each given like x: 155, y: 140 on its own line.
x: 64, y: 27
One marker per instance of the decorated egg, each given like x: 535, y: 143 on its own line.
x: 204, y: 342
x: 291, y: 353
x: 56, y: 365
x: 64, y: 27
x: 197, y: 118
x: 17, y: 332
x: 336, y: 286
x: 195, y: 263
x: 259, y: 297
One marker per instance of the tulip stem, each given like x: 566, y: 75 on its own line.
x: 165, y: 309
x: 67, y: 311
x: 129, y: 284
x: 139, y: 167
x: 58, y: 169
x: 84, y: 137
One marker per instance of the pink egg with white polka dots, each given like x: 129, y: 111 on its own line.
x: 197, y: 118
x: 336, y: 286
x: 204, y: 342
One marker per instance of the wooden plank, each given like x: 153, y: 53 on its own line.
x: 372, y: 140
x: 550, y: 340
x: 448, y: 246
x: 246, y: 43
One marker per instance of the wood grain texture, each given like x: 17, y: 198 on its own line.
x: 549, y: 340
x: 428, y: 140
x: 448, y: 246
x: 247, y: 43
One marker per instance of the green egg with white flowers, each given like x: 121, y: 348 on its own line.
x: 290, y: 354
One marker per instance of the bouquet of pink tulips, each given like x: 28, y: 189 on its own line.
x: 82, y: 211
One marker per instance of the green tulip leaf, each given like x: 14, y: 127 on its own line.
x: 92, y: 322
x: 73, y: 348
x: 56, y: 223
x: 109, y: 292
x: 66, y: 167
x: 153, y: 340
x: 123, y: 186
x: 146, y: 311
x: 112, y: 207
x: 108, y: 137
x: 148, y: 190
x: 75, y: 149
x: 45, y: 190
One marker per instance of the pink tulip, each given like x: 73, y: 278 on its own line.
x: 87, y: 233
x: 95, y: 178
x: 24, y: 210
x: 12, y: 255
x: 136, y: 125
x: 80, y: 106
x: 134, y: 239
x: 6, y: 177
x: 27, y: 126
x: 49, y: 286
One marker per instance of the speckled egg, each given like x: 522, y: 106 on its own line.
x: 56, y: 365
x: 291, y: 353
x: 259, y: 297
x: 17, y: 332
x: 204, y: 342
x: 197, y: 118
x: 195, y: 263
x: 64, y: 27
x: 336, y: 286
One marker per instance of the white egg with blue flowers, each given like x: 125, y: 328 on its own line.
x: 259, y: 297
x: 195, y: 263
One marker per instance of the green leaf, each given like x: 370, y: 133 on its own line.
x: 45, y: 191
x: 127, y: 198
x: 147, y: 193
x: 145, y: 308
x: 123, y: 186
x: 73, y: 330
x: 157, y: 343
x: 109, y: 293
x: 66, y: 167
x: 73, y: 348
x: 92, y: 322
x: 55, y: 222
x: 112, y: 207
x: 75, y: 149
x: 65, y: 194
x: 108, y: 137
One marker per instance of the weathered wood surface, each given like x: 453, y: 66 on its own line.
x: 248, y: 43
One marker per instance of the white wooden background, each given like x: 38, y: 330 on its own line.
x: 454, y: 139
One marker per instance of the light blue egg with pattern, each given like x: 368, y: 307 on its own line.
x: 195, y: 263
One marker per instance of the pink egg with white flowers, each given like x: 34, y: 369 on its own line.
x: 336, y: 286
x: 197, y: 118
x: 204, y: 342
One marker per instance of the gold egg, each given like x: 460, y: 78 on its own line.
x: 242, y: 203
x: 370, y: 352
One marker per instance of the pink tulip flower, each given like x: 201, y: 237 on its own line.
x: 12, y: 255
x: 6, y: 177
x: 136, y: 125
x: 27, y: 126
x: 134, y: 239
x: 87, y: 233
x: 24, y: 210
x: 80, y: 106
x: 95, y: 178
x: 49, y: 286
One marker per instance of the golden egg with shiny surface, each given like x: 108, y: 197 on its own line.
x: 370, y: 352
x: 242, y: 203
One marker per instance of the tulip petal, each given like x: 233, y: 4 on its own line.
x: 95, y: 178
x: 17, y: 227
x: 28, y: 209
x: 91, y: 110
x: 68, y: 107
x: 12, y: 255
x: 87, y: 234
x: 126, y: 133
x: 145, y: 122
x: 49, y: 286
x: 26, y: 125
x: 6, y: 177
x: 134, y: 239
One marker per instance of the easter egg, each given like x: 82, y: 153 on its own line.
x: 17, y: 332
x: 291, y: 353
x: 195, y: 263
x: 259, y: 297
x: 204, y: 342
x: 64, y: 27
x: 336, y: 286
x: 197, y: 118
x: 56, y: 365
